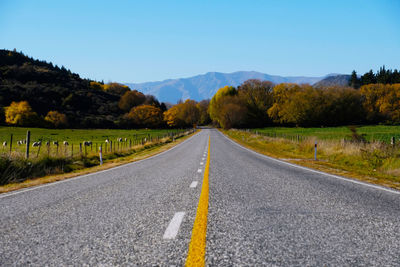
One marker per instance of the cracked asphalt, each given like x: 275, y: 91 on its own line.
x: 261, y: 213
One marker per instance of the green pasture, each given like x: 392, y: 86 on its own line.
x: 75, y: 136
x: 374, y: 132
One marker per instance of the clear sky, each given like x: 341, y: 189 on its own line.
x: 137, y: 41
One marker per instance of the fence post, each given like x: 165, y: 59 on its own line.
x: 392, y: 141
x: 101, y: 154
x: 72, y: 150
x: 315, y: 150
x: 11, y: 139
x: 80, y: 148
x: 37, y: 155
x: 111, y: 146
x: 28, y: 140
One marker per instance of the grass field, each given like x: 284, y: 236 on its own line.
x: 371, y: 133
x: 74, y: 137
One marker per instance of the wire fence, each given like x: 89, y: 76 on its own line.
x: 30, y: 145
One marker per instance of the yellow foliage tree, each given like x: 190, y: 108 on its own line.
x: 56, y: 118
x: 183, y: 114
x: 171, y: 117
x: 21, y: 113
x: 116, y: 88
x: 97, y: 86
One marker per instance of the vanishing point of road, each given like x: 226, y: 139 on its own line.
x: 251, y: 211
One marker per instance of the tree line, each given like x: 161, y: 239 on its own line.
x: 260, y: 103
x: 383, y: 75
x: 40, y: 94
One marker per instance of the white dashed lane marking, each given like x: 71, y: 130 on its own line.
x: 173, y: 227
x: 193, y: 184
x: 199, y: 170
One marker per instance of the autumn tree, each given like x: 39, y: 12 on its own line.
x: 131, y: 99
x: 116, y: 88
x: 258, y: 98
x: 21, y: 114
x: 172, y: 118
x: 184, y: 114
x: 217, y: 102
x: 232, y: 112
x: 382, y: 102
x: 57, y: 119
x: 145, y: 116
x: 202, y: 106
x: 189, y: 113
x: 296, y: 104
x: 96, y: 86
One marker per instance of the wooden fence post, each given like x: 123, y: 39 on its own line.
x: 315, y: 150
x: 11, y: 139
x: 28, y: 140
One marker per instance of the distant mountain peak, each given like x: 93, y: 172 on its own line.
x: 204, y: 86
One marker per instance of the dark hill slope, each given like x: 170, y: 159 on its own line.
x: 337, y: 80
x: 47, y: 87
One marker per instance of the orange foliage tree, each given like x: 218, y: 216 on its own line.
x: 145, y: 116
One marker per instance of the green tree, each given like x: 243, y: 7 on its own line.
x: 354, y: 81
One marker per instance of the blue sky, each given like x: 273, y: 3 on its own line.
x: 137, y: 41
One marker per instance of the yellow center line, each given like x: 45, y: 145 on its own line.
x: 197, y: 246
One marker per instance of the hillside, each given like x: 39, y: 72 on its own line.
x: 47, y: 87
x: 340, y: 80
x: 205, y: 86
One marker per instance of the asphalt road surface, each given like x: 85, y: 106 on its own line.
x: 261, y: 212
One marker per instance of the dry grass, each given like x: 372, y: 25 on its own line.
x: 142, y: 154
x: 374, y: 162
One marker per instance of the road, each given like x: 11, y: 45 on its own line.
x: 261, y: 212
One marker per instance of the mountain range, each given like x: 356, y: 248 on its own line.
x: 204, y: 86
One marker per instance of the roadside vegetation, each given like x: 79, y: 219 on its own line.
x: 376, y: 162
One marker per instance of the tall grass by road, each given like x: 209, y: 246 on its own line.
x: 375, y: 162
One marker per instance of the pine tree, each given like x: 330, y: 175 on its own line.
x: 354, y: 81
